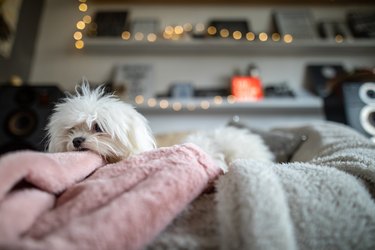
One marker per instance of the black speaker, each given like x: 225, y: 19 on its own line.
x: 24, y: 115
x: 359, y: 106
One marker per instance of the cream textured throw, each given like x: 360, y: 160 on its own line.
x: 322, y: 199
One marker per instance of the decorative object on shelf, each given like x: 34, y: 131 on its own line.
x: 297, y: 23
x: 333, y: 30
x: 9, y: 12
x: 137, y: 80
x: 362, y: 24
x: 181, y: 90
x: 319, y: 78
x: 109, y: 24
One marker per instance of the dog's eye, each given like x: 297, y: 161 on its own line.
x: 97, y: 128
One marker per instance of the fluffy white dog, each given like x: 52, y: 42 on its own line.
x: 99, y: 122
x: 227, y: 144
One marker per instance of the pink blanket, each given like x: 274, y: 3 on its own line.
x: 119, y: 206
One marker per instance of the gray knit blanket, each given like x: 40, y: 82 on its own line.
x: 322, y: 198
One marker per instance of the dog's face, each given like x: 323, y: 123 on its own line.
x: 92, y: 120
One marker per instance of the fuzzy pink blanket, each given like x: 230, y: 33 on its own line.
x: 119, y: 206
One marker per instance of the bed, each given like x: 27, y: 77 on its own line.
x: 319, y: 194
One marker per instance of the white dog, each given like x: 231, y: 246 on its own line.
x: 99, y: 122
x: 227, y: 144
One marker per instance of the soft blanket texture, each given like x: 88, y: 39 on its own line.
x: 322, y: 199
x: 119, y: 206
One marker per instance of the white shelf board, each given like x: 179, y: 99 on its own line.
x: 225, y: 46
x: 298, y: 104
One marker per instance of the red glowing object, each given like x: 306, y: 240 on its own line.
x: 247, y: 88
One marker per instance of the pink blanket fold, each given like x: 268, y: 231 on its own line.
x: 123, y: 205
x: 47, y: 175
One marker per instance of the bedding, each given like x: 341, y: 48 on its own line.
x: 118, y: 206
x: 319, y: 194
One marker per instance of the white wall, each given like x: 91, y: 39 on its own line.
x: 57, y: 61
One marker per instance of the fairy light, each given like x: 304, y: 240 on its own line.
x: 211, y: 30
x: 83, y: 7
x: 263, y: 36
x: 151, y: 102
x: 151, y: 37
x: 237, y: 35
x: 87, y: 19
x: 125, y: 35
x: 250, y: 36
x: 231, y: 99
x: 177, y: 106
x: 339, y: 38
x: 218, y: 100
x: 224, y: 33
x: 288, y: 38
x: 77, y: 35
x: 178, y: 30
x: 139, y: 99
x: 79, y: 44
x: 164, y: 104
x: 80, y: 25
x: 188, y: 27
x: 139, y: 36
x: 276, y: 37
x: 199, y: 27
x: 205, y: 104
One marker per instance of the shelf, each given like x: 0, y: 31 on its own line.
x: 228, y: 46
x: 283, y: 104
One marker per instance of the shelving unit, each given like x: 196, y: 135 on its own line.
x: 225, y: 46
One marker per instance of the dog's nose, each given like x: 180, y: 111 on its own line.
x: 78, y: 141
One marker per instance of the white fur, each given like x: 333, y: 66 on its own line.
x: 227, y: 144
x: 124, y: 131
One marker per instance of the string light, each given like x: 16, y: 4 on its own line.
x: 80, y: 25
x: 151, y: 37
x: 77, y: 35
x: 224, y: 33
x: 263, y: 36
x: 288, y: 38
x: 237, y: 35
x: 276, y: 37
x: 250, y: 36
x: 86, y: 19
x: 139, y: 99
x: 83, y: 7
x: 339, y: 38
x: 79, y: 44
x: 125, y: 35
x: 211, y: 30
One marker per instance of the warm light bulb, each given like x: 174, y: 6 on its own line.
x: 177, y: 106
x: 80, y: 25
x: 77, y: 35
x: 199, y: 27
x: 250, y: 36
x: 125, y: 35
x: 163, y: 104
x: 87, y: 19
x: 79, y: 44
x: 205, y: 104
x: 83, y: 7
x: 224, y: 33
x: 178, y: 29
x: 288, y: 38
x: 188, y: 27
x: 139, y: 99
x: 231, y: 99
x: 218, y: 100
x: 276, y: 37
x: 339, y: 38
x: 263, y: 36
x: 169, y: 30
x: 139, y: 36
x: 211, y: 30
x: 151, y: 102
x: 191, y: 107
x: 237, y: 35
x: 151, y: 37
